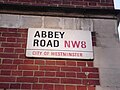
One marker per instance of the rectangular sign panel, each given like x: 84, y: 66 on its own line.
x: 56, y: 43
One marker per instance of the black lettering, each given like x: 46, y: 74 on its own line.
x: 49, y: 43
x: 37, y: 34
x: 50, y: 34
x: 42, y: 43
x: 44, y: 34
x: 56, y: 43
x: 35, y: 43
x: 62, y: 33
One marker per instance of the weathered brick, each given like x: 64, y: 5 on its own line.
x: 59, y: 87
x: 50, y: 74
x: 70, y: 81
x: 37, y: 86
x: 7, y: 79
x: 7, y: 61
x: 27, y: 67
x: 28, y: 61
x: 6, y: 72
x: 91, y: 87
x: 19, y: 51
x: 81, y: 75
x: 39, y: 73
x: 60, y: 62
x: 26, y: 86
x: 71, y: 74
x: 11, y: 67
x: 27, y: 79
x: 50, y: 62
x: 49, y: 80
x: 92, y: 75
x: 10, y: 45
x: 17, y: 73
x: 50, y: 68
x: 71, y: 63
x: 27, y: 73
x: 70, y: 87
x: 89, y: 69
x: 15, y: 86
x: 48, y: 87
x: 11, y: 39
x: 4, y: 85
x: 90, y: 82
x: 81, y: 87
x: 60, y: 74
x: 9, y: 50
x: 72, y: 69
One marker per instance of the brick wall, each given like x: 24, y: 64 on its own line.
x: 19, y: 72
x: 106, y: 4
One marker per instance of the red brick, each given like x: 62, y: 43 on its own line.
x: 7, y: 61
x: 11, y: 35
x: 81, y: 63
x: 22, y: 56
x: 39, y: 73
x: 49, y: 80
x: 3, y: 29
x: 89, y: 69
x: 27, y: 73
x: 50, y: 68
x: 11, y: 39
x: 70, y: 81
x: 6, y: 72
x: 72, y: 69
x: 19, y: 50
x: 22, y: 30
x: 17, y: 61
x: 23, y: 45
x: 28, y: 61
x: 92, y: 75
x: 27, y: 67
x: 70, y: 87
x: 71, y: 63
x: 90, y: 64
x: 59, y: 87
x: 26, y: 86
x: 1, y: 49
x: 9, y: 50
x: 37, y: 86
x: 81, y: 75
x: 7, y: 79
x: 11, y: 67
x: 21, y: 40
x: 91, y: 82
x: 8, y: 55
x: 15, y: 86
x: 50, y: 62
x: 91, y: 87
x: 27, y: 79
x: 12, y: 30
x: 10, y: 45
x: 2, y: 39
x: 16, y: 73
x: 60, y: 62
x: 40, y: 62
x: 71, y: 74
x: 82, y: 88
x: 49, y: 73
x: 48, y: 87
x: 4, y: 85
x: 60, y: 74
